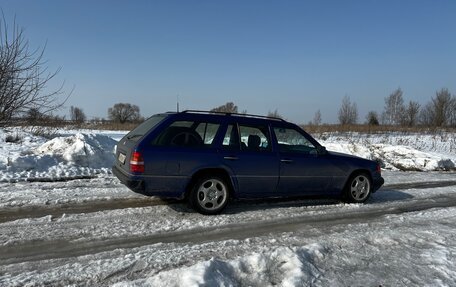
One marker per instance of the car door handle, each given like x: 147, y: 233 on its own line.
x: 286, y: 160
x: 231, y: 157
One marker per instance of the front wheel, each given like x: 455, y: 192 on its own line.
x: 209, y: 195
x: 358, y: 188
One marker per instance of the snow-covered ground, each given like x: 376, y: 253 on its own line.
x: 92, y: 231
x: 387, y: 242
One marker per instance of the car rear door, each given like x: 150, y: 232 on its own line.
x: 247, y: 152
x: 177, y: 152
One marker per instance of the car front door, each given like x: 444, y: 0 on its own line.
x: 247, y: 152
x: 303, y: 171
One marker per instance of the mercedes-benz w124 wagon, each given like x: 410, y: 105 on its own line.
x: 209, y: 158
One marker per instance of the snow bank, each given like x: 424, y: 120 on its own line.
x: 407, y: 158
x: 84, y: 153
x: 88, y: 150
x: 281, y: 266
x: 411, y: 152
x: 62, y: 157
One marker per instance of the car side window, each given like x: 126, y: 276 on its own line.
x: 254, y: 138
x: 291, y: 140
x: 187, y: 134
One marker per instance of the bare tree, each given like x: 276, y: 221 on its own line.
x: 442, y: 104
x: 229, y: 107
x: 411, y: 114
x: 124, y: 112
x: 440, y: 111
x: 452, y: 116
x: 394, y: 108
x: 348, y: 112
x: 33, y: 116
x: 372, y: 118
x: 317, y: 118
x: 23, y: 77
x: 274, y: 114
x: 77, y: 115
x: 426, y: 116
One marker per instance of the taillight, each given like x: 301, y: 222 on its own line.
x: 137, y: 162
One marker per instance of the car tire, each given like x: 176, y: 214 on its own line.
x: 358, y: 188
x: 210, y: 195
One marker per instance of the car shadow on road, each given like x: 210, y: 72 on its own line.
x: 384, y: 195
x: 242, y: 205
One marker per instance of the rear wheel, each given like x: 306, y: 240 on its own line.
x: 209, y: 195
x: 358, y: 188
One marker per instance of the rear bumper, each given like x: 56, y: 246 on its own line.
x: 136, y: 185
x: 378, y: 182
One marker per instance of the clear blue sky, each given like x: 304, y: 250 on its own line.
x: 294, y: 56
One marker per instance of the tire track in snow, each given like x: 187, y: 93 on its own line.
x: 421, y: 185
x: 89, y: 206
x: 62, y: 248
x: 58, y: 210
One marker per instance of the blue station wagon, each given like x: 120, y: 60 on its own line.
x: 209, y: 158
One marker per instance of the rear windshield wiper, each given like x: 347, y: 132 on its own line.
x: 134, y: 136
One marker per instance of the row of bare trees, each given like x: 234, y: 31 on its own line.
x: 396, y: 112
x: 119, y: 113
x: 440, y: 111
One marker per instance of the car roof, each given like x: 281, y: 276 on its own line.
x: 244, y: 115
x: 226, y: 117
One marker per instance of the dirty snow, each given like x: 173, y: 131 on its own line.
x: 415, y: 248
x: 283, y: 266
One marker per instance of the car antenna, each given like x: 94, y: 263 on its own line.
x: 177, y: 104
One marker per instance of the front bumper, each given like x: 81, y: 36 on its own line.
x: 378, y: 182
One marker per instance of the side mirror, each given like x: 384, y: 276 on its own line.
x: 322, y: 150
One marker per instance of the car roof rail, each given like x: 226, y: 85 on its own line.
x: 233, y: 114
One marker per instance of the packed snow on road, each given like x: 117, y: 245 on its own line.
x: 65, y: 220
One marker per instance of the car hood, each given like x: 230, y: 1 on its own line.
x: 344, y: 155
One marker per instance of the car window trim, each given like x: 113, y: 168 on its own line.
x: 192, y: 127
x: 300, y: 131
x: 268, y: 136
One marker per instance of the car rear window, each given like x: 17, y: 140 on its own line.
x: 187, y: 134
x: 145, y: 127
